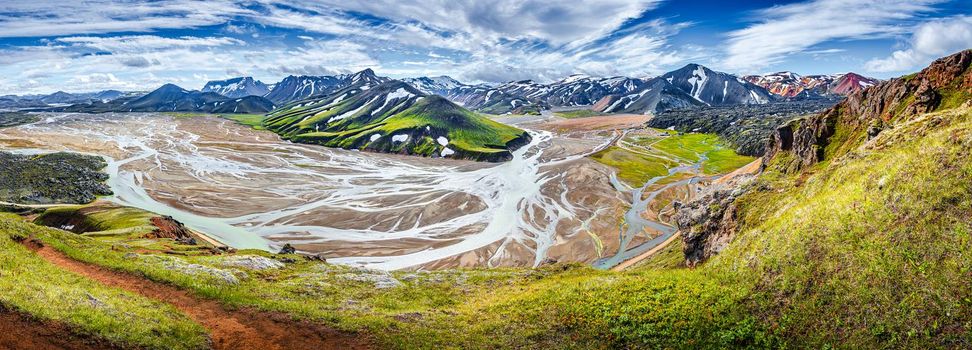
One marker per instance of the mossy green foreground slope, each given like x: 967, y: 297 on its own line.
x: 866, y: 245
x: 31, y: 285
x: 394, y: 117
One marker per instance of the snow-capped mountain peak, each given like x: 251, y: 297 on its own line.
x: 434, y: 85
x: 716, y: 88
x: 237, y: 87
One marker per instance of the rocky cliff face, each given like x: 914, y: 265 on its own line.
x: 946, y: 83
x: 708, y: 223
x: 167, y: 227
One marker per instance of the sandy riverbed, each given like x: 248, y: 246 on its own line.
x: 384, y: 211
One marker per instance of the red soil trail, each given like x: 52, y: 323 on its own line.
x: 229, y: 329
x: 19, y: 331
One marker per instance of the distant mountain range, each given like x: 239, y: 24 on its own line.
x: 529, y: 97
x: 295, y: 88
x: 656, y: 95
x: 172, y: 98
x: 60, y: 98
x: 792, y: 85
x: 494, y: 100
x: 690, y: 86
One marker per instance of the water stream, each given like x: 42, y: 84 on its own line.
x: 635, y: 224
x: 516, y: 210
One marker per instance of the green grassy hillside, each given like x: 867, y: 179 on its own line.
x: 395, y: 118
x: 31, y: 285
x: 641, y: 156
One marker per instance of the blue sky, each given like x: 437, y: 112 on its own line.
x: 47, y: 46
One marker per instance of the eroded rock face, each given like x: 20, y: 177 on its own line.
x: 604, y: 103
x: 167, y: 227
x: 893, y: 100
x: 708, y: 223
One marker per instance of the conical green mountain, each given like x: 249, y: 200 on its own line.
x: 394, y: 117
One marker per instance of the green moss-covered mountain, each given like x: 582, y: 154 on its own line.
x: 394, y: 117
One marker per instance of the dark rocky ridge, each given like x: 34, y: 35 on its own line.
x: 8, y: 119
x: 746, y: 127
x: 51, y: 178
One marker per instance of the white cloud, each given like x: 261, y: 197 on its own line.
x: 555, y: 21
x: 543, y: 40
x: 143, y: 62
x: 315, y: 58
x: 54, y: 18
x: 138, y: 43
x: 929, y: 41
x: 784, y: 30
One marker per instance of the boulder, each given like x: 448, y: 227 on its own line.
x: 251, y: 262
x: 288, y: 249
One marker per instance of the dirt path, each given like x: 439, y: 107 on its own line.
x: 229, y: 329
x: 630, y: 262
x: 18, y: 331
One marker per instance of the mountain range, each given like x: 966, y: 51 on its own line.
x: 792, y: 85
x: 293, y: 88
x: 655, y: 96
x: 530, y: 97
x: 172, y: 98
x: 690, y: 86
x: 60, y: 98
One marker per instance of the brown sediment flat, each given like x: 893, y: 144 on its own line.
x: 228, y: 329
x: 293, y: 175
x: 607, y: 122
x: 599, y: 205
x: 19, y: 331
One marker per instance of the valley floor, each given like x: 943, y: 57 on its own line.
x: 248, y: 189
x: 866, y: 251
x: 191, y: 166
